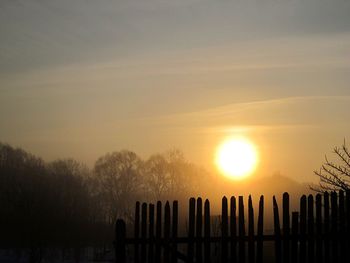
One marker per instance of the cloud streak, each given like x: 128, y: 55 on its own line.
x: 303, y: 112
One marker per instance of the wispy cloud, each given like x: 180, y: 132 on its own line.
x: 303, y: 112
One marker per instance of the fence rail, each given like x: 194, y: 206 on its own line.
x: 318, y: 232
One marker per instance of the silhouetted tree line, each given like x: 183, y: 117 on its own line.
x: 65, y: 204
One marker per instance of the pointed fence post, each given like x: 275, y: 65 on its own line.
x: 347, y: 231
x: 251, y: 242
x: 207, y: 250
x: 310, y: 227
x: 158, y: 255
x: 174, y: 232
x: 327, y: 230
x: 151, y: 233
x: 120, y: 246
x: 302, y: 254
x: 259, y: 253
x: 233, y: 229
x: 224, y: 230
x: 286, y: 227
x: 334, y: 226
x: 342, y: 227
x: 277, y: 232
x: 241, y: 230
x: 143, y: 232
x: 137, y: 232
x: 295, y: 230
x: 199, y: 218
x: 191, y: 225
x: 319, y: 234
x: 167, y: 232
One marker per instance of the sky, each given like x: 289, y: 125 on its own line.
x: 85, y: 77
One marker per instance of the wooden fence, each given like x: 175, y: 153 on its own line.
x: 319, y: 232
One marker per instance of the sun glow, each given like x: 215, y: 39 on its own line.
x: 236, y: 158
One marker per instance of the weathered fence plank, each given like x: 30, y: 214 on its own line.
x: 326, y: 224
x: 143, y: 232
x: 233, y: 229
x: 277, y: 232
x: 151, y: 233
x: 347, y: 207
x: 199, y: 218
x: 175, y: 220
x: 295, y: 230
x: 207, y: 250
x: 302, y: 250
x: 224, y: 230
x: 334, y: 226
x: 319, y: 233
x: 251, y: 243
x: 286, y: 227
x: 120, y: 246
x: 191, y: 226
x: 310, y: 229
x: 259, y: 252
x: 241, y: 230
x: 167, y: 232
x: 158, y: 254
x: 137, y: 232
x: 342, y: 228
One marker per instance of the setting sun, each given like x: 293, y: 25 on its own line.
x: 236, y: 158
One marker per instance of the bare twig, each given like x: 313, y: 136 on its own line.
x: 335, y: 176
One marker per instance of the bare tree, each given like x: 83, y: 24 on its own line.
x: 119, y: 178
x: 170, y: 176
x: 335, y: 176
x: 68, y: 184
x: 179, y: 172
x: 156, y: 176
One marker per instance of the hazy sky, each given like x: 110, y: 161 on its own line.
x: 81, y: 78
